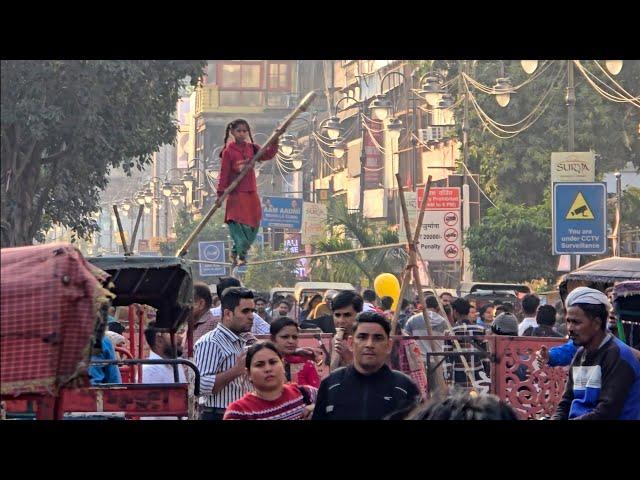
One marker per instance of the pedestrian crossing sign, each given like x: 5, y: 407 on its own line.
x: 579, y: 209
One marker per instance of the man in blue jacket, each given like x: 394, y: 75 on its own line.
x: 604, y: 377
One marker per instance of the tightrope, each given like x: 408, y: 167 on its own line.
x: 311, y: 255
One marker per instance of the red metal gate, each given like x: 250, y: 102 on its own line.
x: 533, y: 392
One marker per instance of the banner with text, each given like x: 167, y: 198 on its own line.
x: 573, y: 167
x: 441, y: 228
x: 314, y: 223
x: 281, y: 212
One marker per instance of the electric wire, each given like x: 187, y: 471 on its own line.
x: 491, y: 125
x: 618, y: 98
x: 631, y: 97
x: 477, y: 184
x: 535, y: 108
x: 490, y: 90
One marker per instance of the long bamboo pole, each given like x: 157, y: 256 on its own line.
x: 302, y: 107
x: 135, y: 229
x: 121, y: 231
x: 416, y: 276
x: 412, y: 266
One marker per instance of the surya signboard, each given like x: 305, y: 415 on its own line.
x: 573, y: 167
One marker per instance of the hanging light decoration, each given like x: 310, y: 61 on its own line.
x: 287, y: 145
x: 503, y: 90
x: 332, y: 128
x: 529, y: 66
x: 432, y: 90
x: 380, y: 107
x: 188, y: 180
x: 167, y: 188
x: 339, y: 149
x: 444, y: 115
x: 614, y: 66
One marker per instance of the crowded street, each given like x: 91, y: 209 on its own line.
x: 320, y: 240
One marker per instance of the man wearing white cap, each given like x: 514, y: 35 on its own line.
x: 604, y: 378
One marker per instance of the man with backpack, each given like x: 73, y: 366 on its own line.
x: 368, y: 389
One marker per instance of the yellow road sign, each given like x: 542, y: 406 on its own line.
x: 579, y: 209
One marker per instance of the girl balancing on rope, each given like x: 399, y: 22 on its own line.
x: 243, y: 212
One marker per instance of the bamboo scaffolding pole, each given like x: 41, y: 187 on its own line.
x: 412, y: 267
x: 416, y: 277
x: 302, y: 107
x: 121, y: 231
x: 135, y: 230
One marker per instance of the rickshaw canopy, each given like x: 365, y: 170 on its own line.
x: 601, y: 274
x: 164, y: 283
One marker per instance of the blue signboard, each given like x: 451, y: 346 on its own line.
x: 212, y: 252
x: 579, y: 218
x: 280, y: 212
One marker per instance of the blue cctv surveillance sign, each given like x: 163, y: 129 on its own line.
x: 579, y: 218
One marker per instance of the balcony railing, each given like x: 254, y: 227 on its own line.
x: 211, y: 99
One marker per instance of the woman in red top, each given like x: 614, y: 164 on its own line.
x: 284, y: 334
x: 272, y: 398
x: 244, y: 212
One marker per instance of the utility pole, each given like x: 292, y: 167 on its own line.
x: 571, y: 102
x: 414, y: 140
x: 363, y: 154
x: 166, y: 217
x: 618, y: 213
x: 467, y: 273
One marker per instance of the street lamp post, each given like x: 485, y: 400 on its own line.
x: 467, y: 273
x: 571, y: 102
x: 362, y: 110
x: 288, y: 146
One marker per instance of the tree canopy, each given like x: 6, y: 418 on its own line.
x: 358, y: 232
x: 517, y: 169
x: 66, y: 123
x: 512, y: 243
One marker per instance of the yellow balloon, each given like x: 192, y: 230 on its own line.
x: 387, y: 285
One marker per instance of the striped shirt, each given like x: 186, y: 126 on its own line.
x: 289, y: 406
x: 259, y: 327
x: 460, y: 377
x: 216, y: 352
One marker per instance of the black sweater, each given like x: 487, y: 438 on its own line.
x: 349, y: 395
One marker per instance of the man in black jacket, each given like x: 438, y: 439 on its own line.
x: 368, y: 389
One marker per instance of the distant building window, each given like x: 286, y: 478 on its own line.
x: 210, y: 74
x: 279, y: 77
x: 241, y: 98
x: 280, y: 100
x: 241, y: 76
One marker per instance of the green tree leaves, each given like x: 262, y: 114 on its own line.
x: 358, y: 232
x: 512, y: 243
x: 65, y: 123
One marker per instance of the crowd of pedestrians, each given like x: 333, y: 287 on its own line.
x: 242, y: 377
